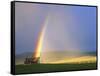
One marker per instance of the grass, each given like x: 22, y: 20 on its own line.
x: 42, y: 68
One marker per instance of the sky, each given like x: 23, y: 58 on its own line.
x: 67, y: 28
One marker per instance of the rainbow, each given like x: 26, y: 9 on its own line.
x: 40, y: 40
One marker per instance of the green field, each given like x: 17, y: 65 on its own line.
x: 42, y: 68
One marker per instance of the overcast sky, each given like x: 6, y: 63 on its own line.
x: 68, y: 27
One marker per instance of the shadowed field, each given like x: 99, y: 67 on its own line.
x: 66, y: 64
x: 42, y: 68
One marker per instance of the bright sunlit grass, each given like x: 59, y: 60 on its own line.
x: 78, y: 60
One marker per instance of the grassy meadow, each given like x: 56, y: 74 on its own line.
x: 42, y: 68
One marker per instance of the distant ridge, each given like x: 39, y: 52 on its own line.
x: 19, y: 58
